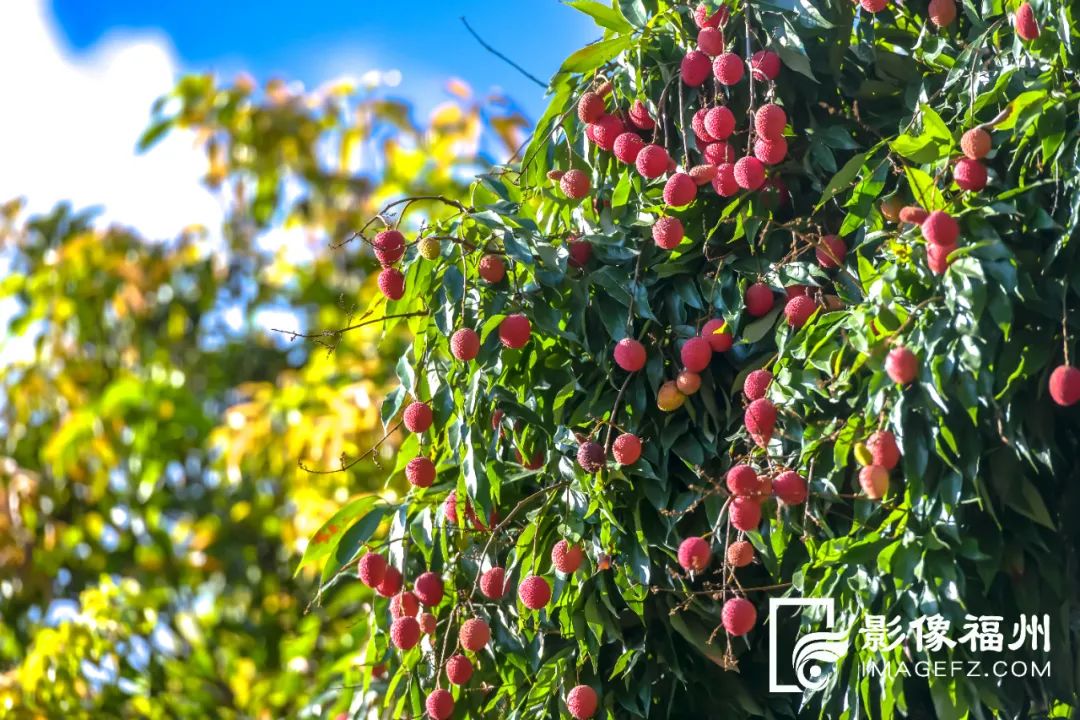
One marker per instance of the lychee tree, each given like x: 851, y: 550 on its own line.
x: 779, y: 299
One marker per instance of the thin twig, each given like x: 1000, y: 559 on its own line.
x: 502, y: 57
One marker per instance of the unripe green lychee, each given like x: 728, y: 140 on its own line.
x: 429, y: 248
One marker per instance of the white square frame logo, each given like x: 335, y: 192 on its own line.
x: 774, y: 605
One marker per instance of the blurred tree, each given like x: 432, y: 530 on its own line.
x: 152, y: 508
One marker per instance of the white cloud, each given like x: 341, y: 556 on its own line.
x: 68, y: 127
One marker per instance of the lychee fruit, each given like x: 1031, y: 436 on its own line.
x: 640, y: 117
x: 976, y: 143
x: 474, y: 634
x: 420, y: 472
x: 459, y: 669
x: 371, y: 569
x: 575, y: 184
x: 790, y: 487
x: 725, y: 183
x: 728, y: 68
x: 937, y: 257
x: 770, y: 151
x: 590, y: 456
x: 514, y: 331
x: 710, y: 41
x: 940, y: 228
x: 770, y: 120
x: 765, y: 65
x: 668, y: 397
x: 890, y: 208
x: 760, y: 420
x: 745, y: 513
x: 566, y: 558
x: 902, y: 365
x: 757, y: 384
x: 883, y: 449
x: 581, y: 702
x: 694, y: 68
x: 652, y: 161
x: 697, y: 123
x: 534, y: 592
x: 696, y: 354
x: 428, y: 623
x: 590, y: 107
x: 417, y: 417
x: 492, y: 268
x: 389, y: 247
x: 439, y: 704
x: 627, y: 146
x: 694, y: 554
x: 716, y: 332
x: 404, y: 604
x: 688, y: 382
x: 942, y: 12
x: 533, y: 463
x: 749, y: 173
x: 702, y: 174
x: 392, y: 283
x: 798, y: 310
x: 718, y: 153
x: 465, y: 344
x: 606, y: 130
x: 740, y: 553
x: 680, y: 190
x: 704, y: 18
x: 874, y: 481
x: 913, y: 215
x: 430, y: 248
x: 873, y: 6
x: 580, y: 252
x: 405, y: 632
x: 630, y: 355
x: 720, y: 122
x: 742, y: 480
x: 493, y: 583
x: 830, y: 251
x: 390, y: 585
x: 667, y: 232
x: 739, y: 615
x: 428, y: 589
x: 969, y: 174
x: 1065, y: 385
x: 1026, y: 27
x: 626, y: 449
x: 758, y: 299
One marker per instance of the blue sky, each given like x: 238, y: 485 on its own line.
x: 316, y: 40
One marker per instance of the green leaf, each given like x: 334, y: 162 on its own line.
x: 324, y: 541
x: 593, y: 56
x: 603, y: 15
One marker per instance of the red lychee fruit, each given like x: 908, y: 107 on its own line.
x: 716, y: 332
x: 937, y: 257
x: 765, y: 65
x: 1065, y: 385
x: 590, y: 456
x: 1026, y: 27
x: 417, y: 417
x: 450, y: 512
x: 757, y: 384
x: 697, y: 123
x: 668, y: 397
x: 710, y: 41
x: 703, y: 18
x: 728, y: 68
x: 740, y: 553
x: 688, y: 382
x: 680, y: 190
x: 770, y: 120
x: 883, y: 449
x: 942, y: 12
x: 694, y: 554
x: 371, y: 569
x: 534, y: 463
x: 590, y: 107
x: 830, y: 251
x: 694, y: 68
x: 405, y: 632
x: 389, y: 247
x: 514, y: 331
x: 652, y: 161
x: 428, y: 623
x: 758, y: 299
x: 566, y: 558
x: 581, y: 702
x: 913, y: 215
x: 720, y: 122
x: 742, y: 480
x: 392, y: 283
x: 902, y: 365
x: 465, y: 344
x: 873, y: 6
x: 940, y: 228
x: 420, y: 472
x: 459, y: 669
x: 702, y: 174
x: 790, y: 487
x: 626, y: 449
x: 798, y: 310
x: 718, y: 153
x: 874, y: 481
x: 493, y: 583
x: 404, y: 604
x: 976, y: 143
x: 739, y: 616
x: 630, y: 355
x: 575, y: 184
x: 627, y: 146
x: 970, y: 174
x: 606, y: 130
x: 428, y: 589
x: 725, y: 183
x: 667, y: 232
x: 492, y: 268
x: 745, y: 513
x: 534, y: 592
x: 640, y: 117
x: 580, y: 252
x: 391, y: 582
x: 771, y: 151
x: 760, y: 420
x: 749, y: 173
x: 696, y: 354
x: 474, y: 634
x: 439, y: 704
